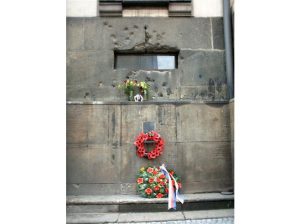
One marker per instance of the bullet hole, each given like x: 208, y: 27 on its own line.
x: 127, y: 38
x: 86, y: 95
x: 110, y: 26
x: 131, y: 33
x: 100, y: 84
x: 113, y: 85
x: 154, y: 31
x: 169, y: 92
x: 160, y: 94
x: 145, y: 27
x: 126, y: 28
x: 164, y: 83
x: 113, y: 157
x: 135, y: 27
x: 105, y: 23
x: 148, y: 79
x: 200, y: 76
x: 181, y: 57
x: 163, y: 33
x: 113, y: 36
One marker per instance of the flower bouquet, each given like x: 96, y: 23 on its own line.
x: 133, y: 87
x: 152, y: 183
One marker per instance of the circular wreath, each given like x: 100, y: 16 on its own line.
x: 152, y: 183
x: 150, y: 136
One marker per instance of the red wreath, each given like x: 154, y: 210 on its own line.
x: 150, y: 136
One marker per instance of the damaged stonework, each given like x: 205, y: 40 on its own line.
x: 93, y: 43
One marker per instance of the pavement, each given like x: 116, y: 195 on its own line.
x: 219, y: 216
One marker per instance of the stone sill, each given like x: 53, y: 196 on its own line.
x: 148, y: 102
x: 136, y: 199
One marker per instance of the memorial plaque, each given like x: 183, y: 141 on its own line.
x: 148, y: 126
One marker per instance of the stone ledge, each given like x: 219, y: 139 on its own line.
x: 150, y: 102
x: 136, y: 199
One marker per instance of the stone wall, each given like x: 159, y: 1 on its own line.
x: 101, y: 157
x: 189, y: 106
x: 91, y: 43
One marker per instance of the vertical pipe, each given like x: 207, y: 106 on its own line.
x: 228, y: 47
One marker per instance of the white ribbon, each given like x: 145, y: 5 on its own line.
x: 173, y: 196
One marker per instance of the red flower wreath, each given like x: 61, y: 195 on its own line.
x: 150, y: 136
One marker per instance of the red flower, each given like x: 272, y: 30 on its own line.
x: 159, y: 195
x: 154, y: 172
x: 151, y: 180
x: 150, y: 170
x: 162, y: 183
x: 156, y: 188
x: 148, y: 191
x: 140, y: 180
x: 171, y: 172
x: 162, y: 176
x: 167, y: 190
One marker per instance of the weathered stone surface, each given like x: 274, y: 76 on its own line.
x: 90, y: 68
x: 92, y: 208
x: 208, y: 214
x: 218, y: 33
x: 92, y: 189
x: 92, y: 164
x: 77, y: 124
x: 202, y: 123
x: 211, y: 169
x: 75, y: 34
x: 92, y: 42
x: 92, y: 217
x: 149, y: 217
x: 201, y: 67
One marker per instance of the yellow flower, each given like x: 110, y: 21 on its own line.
x: 142, y: 169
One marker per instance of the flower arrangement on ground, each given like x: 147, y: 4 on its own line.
x: 133, y: 87
x: 152, y: 183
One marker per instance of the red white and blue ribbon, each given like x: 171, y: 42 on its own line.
x: 173, y: 194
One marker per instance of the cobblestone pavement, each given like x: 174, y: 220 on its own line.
x: 228, y: 220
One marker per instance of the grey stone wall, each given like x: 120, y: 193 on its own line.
x: 189, y: 105
x: 91, y: 43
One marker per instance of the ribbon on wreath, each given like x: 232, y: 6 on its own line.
x: 173, y: 195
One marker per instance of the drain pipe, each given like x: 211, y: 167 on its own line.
x: 228, y: 47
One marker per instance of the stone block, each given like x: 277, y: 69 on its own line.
x: 207, y: 163
x: 77, y: 125
x: 75, y: 34
x: 90, y: 68
x: 218, y: 32
x: 92, y: 208
x: 92, y: 189
x: 201, y: 122
x: 92, y: 164
x: 201, y: 67
x: 150, y: 217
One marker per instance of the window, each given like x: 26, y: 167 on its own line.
x: 146, y: 61
x: 145, y: 8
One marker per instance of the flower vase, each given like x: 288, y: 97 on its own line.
x: 131, y: 95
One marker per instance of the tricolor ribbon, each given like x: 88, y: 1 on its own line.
x: 173, y: 195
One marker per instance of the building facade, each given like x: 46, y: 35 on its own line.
x: 189, y: 105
